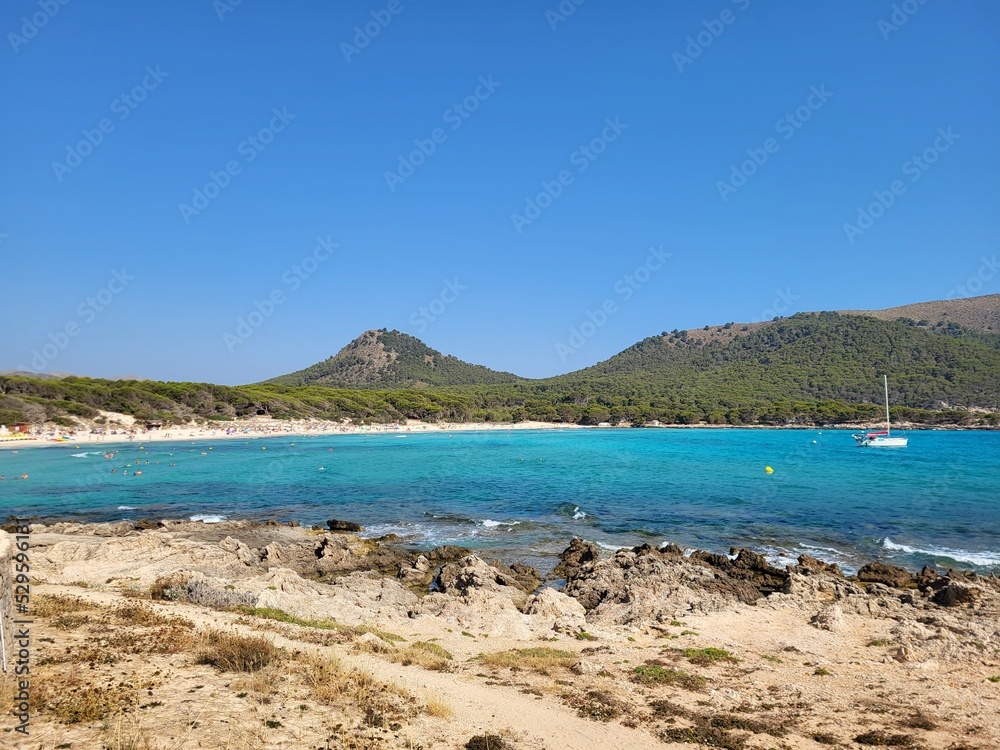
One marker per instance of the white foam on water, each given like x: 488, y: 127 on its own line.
x: 985, y: 558
x: 491, y: 524
x: 125, y: 507
x: 208, y: 518
x: 578, y: 514
x: 80, y: 455
x: 779, y: 558
x: 610, y: 547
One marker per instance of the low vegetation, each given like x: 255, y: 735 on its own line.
x: 653, y: 673
x: 883, y: 738
x: 542, y: 659
x: 229, y: 651
x: 707, y: 656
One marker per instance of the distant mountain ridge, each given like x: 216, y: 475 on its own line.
x: 807, y: 369
x: 391, y: 359
x: 977, y: 313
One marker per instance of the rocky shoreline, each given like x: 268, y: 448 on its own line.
x: 924, y: 623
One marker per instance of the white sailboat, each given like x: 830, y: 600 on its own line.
x: 881, y: 438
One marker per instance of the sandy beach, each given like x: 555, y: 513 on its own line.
x: 237, y: 635
x: 248, y: 430
x: 131, y: 430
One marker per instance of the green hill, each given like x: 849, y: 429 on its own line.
x: 381, y: 359
x: 811, y: 368
x: 716, y: 374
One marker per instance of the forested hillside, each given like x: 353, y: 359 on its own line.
x: 811, y: 368
x: 394, y: 360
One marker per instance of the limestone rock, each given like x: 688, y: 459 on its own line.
x: 831, y: 618
x: 243, y: 553
x: 585, y: 667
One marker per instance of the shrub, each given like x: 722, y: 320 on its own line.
x: 234, y: 652
x: 656, y: 674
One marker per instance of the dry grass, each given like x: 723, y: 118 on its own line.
x: 334, y: 685
x: 72, y: 697
x: 261, y: 685
x: 49, y: 605
x: 127, y: 732
x: 234, y: 652
x: 424, y: 654
x: 435, y: 705
x: 142, y: 615
x: 348, y: 632
x: 541, y: 660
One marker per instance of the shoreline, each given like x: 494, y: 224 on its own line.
x: 262, y: 429
x: 642, y: 648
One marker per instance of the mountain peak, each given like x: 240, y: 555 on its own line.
x: 392, y: 359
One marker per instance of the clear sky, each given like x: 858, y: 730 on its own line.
x: 485, y: 176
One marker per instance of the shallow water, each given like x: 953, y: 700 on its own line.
x: 526, y: 493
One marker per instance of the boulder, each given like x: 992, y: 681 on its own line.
x: 243, y: 552
x: 472, y: 573
x: 334, y: 525
x: 576, y: 559
x: 809, y: 565
x: 553, y: 610
x: 888, y: 575
x: 831, y: 618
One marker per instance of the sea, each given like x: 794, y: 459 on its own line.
x: 522, y: 495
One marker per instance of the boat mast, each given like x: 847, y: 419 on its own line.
x: 886, y: 377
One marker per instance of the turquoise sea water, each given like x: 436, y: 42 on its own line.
x: 525, y: 494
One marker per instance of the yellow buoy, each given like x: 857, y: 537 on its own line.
x: 768, y: 470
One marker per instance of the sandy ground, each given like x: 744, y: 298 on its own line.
x: 259, y: 429
x: 115, y: 668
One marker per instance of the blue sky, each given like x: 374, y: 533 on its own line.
x: 490, y: 177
